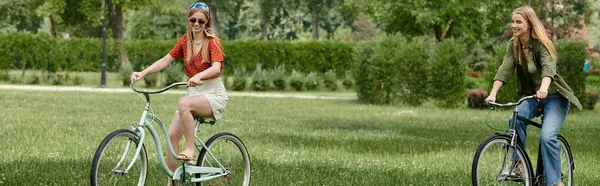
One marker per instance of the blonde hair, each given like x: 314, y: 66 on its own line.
x: 537, y: 31
x: 208, y: 34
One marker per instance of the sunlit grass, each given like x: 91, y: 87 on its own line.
x: 49, y: 138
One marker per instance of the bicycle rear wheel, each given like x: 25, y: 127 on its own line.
x: 494, y: 163
x: 113, y: 156
x: 566, y: 161
x: 227, y: 150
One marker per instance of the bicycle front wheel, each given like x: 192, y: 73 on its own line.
x: 225, y: 150
x: 112, y: 162
x: 495, y: 163
x: 566, y: 161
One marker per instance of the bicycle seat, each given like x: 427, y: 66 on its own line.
x: 201, y: 120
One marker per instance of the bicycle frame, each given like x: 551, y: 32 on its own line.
x: 146, y: 121
x: 514, y: 135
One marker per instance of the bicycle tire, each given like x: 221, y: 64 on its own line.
x: 102, y: 153
x: 215, y: 144
x: 478, y: 169
x: 567, y: 162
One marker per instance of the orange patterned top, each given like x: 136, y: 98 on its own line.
x: 196, y: 66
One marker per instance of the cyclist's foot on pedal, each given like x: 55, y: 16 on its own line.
x: 185, y: 156
x: 515, y: 173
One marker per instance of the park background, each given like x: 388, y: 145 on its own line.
x: 402, y: 70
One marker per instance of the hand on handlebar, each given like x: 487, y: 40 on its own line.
x: 194, y: 81
x: 137, y: 76
x: 490, y: 99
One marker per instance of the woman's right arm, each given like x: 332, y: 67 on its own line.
x: 505, y: 70
x: 155, y: 67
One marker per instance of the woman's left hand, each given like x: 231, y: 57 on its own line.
x: 194, y: 81
x: 541, y: 94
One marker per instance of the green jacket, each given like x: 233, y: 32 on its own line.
x: 543, y: 61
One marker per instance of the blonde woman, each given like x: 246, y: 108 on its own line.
x: 532, y: 55
x: 203, y: 63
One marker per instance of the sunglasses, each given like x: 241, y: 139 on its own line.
x: 199, y: 21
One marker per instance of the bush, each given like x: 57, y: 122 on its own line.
x: 60, y: 78
x: 447, y: 74
x: 330, y: 80
x: 124, y: 73
x: 477, y: 58
x: 570, y: 62
x: 151, y: 80
x: 590, y: 101
x: 312, y: 81
x: 239, y: 80
x: 278, y: 76
x: 348, y: 81
x: 260, y: 79
x: 297, y: 80
x: 4, y: 75
x: 476, y: 98
x: 173, y: 73
x: 411, y: 80
x: 374, y: 70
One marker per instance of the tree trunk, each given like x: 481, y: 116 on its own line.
x: 315, y: 23
x: 263, y: 27
x: 116, y: 24
x: 215, y: 18
x: 438, y: 32
x: 52, y: 26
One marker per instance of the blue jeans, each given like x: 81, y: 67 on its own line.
x: 555, y: 111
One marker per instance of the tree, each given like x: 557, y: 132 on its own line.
x: 473, y: 20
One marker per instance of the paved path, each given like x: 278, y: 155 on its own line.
x: 127, y: 90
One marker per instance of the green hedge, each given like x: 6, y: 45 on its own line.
x: 396, y: 70
x: 41, y: 51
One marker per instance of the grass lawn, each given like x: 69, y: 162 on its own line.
x: 49, y: 138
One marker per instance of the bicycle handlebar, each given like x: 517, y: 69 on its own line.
x: 512, y: 104
x: 154, y: 92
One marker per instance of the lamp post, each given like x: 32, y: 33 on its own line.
x: 103, y: 76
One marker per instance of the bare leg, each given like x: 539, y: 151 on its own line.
x: 189, y: 106
x: 175, y: 133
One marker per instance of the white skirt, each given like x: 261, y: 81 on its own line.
x: 214, y: 91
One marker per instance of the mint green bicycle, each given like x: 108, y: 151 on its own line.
x: 121, y: 158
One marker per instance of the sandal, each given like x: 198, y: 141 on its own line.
x: 185, y: 157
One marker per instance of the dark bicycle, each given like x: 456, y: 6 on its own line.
x: 501, y: 158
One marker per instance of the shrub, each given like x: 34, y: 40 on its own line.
x: 78, y: 80
x: 173, y: 73
x: 477, y: 58
x: 278, y: 76
x: 4, y: 75
x: 476, y: 98
x: 124, y: 73
x: 411, y: 80
x: 570, y: 62
x: 260, y: 79
x: 151, y: 80
x: 59, y: 78
x: 590, y: 101
x: 348, y: 81
x: 330, y: 80
x: 36, y: 78
x: 297, y: 80
x: 239, y: 80
x: 312, y: 81
x: 447, y: 74
x: 374, y: 70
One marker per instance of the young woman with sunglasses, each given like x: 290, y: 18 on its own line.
x: 202, y: 54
